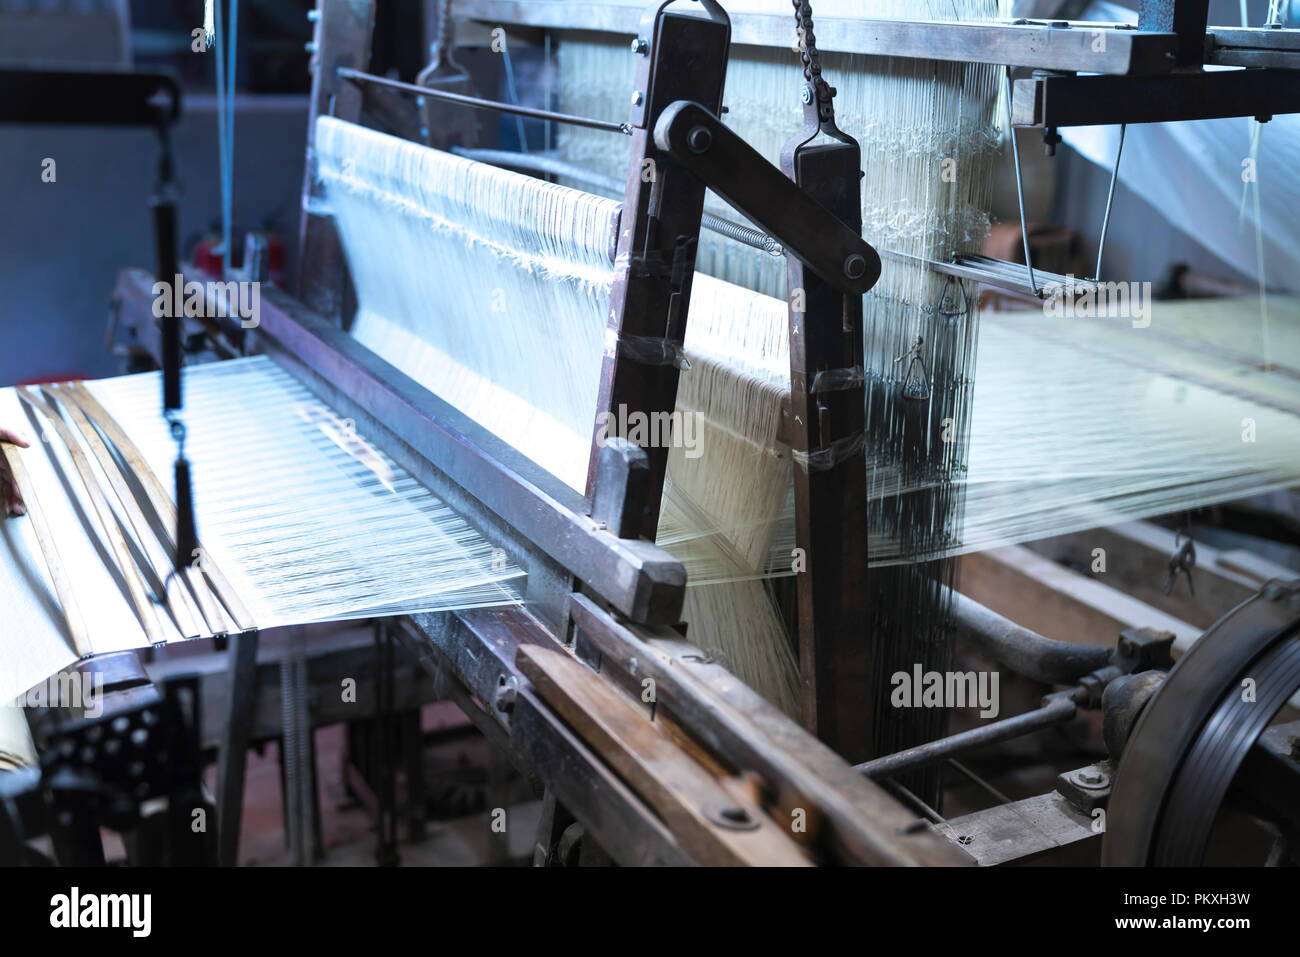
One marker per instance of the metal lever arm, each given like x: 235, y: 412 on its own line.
x: 734, y: 170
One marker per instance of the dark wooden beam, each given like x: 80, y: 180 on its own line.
x: 685, y: 58
x: 830, y: 490
x: 342, y: 38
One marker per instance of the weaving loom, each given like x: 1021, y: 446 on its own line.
x: 626, y: 430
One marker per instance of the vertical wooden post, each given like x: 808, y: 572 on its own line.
x: 682, y: 57
x: 830, y: 472
x: 342, y: 39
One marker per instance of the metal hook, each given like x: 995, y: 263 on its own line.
x: 915, y: 392
x: 943, y: 298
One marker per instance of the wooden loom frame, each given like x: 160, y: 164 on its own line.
x: 384, y: 404
x: 685, y: 59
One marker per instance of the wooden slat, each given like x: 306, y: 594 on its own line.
x: 178, y: 601
x: 210, y: 611
x: 53, y: 563
x: 1052, y: 600
x: 140, y: 596
x: 681, y: 791
x: 1137, y: 562
x: 846, y: 812
x: 77, y: 393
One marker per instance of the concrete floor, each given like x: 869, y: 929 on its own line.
x: 348, y: 828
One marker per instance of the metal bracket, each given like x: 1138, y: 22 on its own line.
x: 733, y: 169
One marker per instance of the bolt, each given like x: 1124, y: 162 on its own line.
x: 313, y: 16
x: 855, y: 266
x: 1091, y: 778
x: 806, y: 95
x: 699, y: 139
x: 310, y: 46
x: 640, y: 47
x: 637, y: 98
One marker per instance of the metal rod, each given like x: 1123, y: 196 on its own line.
x: 541, y: 163
x: 1020, y: 197
x: 1023, y: 651
x: 910, y: 797
x: 1057, y: 710
x: 514, y: 97
x: 356, y: 76
x: 548, y: 164
x: 990, y: 789
x: 1110, y: 199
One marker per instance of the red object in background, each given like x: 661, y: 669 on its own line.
x: 207, y: 259
x: 60, y: 377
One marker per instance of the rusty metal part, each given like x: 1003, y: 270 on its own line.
x: 1056, y: 709
x: 1086, y: 788
x: 1188, y: 742
x: 1023, y: 651
x: 1121, y: 703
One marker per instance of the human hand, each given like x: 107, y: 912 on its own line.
x: 11, y: 499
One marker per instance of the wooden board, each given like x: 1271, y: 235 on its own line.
x: 53, y: 563
x: 140, y: 595
x: 1052, y: 600
x: 179, y: 603
x: 682, y: 792
x: 78, y: 394
x: 1136, y: 562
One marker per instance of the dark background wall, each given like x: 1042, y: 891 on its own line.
x: 62, y: 243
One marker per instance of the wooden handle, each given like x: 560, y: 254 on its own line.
x: 53, y: 563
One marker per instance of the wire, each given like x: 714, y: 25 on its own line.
x: 1020, y: 198
x: 356, y: 76
x: 1110, y: 199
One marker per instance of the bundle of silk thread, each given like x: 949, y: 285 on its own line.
x: 507, y: 323
x: 308, y: 519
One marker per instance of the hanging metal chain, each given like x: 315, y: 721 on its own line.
x: 443, y: 41
x: 812, y: 67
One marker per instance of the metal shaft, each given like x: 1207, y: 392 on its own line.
x: 356, y: 76
x: 1057, y: 710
